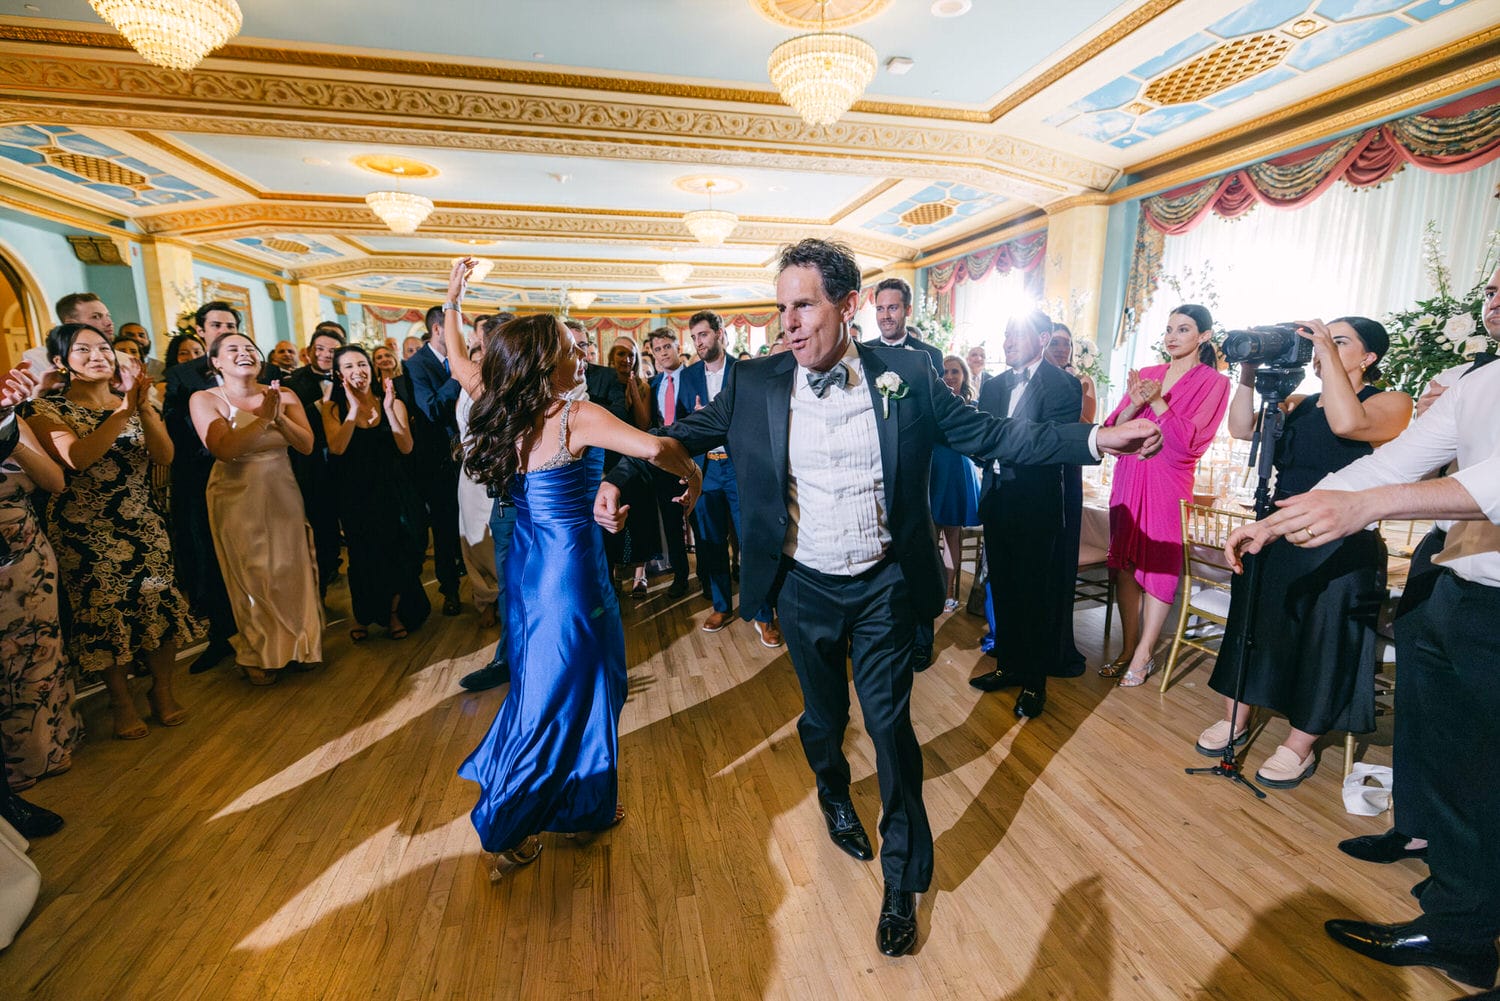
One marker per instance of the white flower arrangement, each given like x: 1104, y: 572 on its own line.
x: 891, y: 387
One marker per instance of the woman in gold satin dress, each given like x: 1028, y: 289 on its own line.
x: 255, y: 510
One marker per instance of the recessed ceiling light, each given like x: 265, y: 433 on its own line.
x: 316, y: 161
x: 898, y: 65
x: 537, y: 55
x: 951, y: 8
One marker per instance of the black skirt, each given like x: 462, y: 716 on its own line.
x: 1312, y: 654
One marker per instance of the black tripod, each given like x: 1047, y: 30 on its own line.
x: 1273, y: 385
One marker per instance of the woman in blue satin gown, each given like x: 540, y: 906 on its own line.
x: 549, y: 760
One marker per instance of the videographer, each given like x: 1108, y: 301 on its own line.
x: 1314, y: 660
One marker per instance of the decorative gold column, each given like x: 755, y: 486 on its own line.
x: 1074, y: 277
x: 168, y: 267
x: 304, y: 303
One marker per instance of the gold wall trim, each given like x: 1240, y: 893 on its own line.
x: 571, y: 269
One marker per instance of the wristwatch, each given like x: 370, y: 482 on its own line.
x: 451, y: 305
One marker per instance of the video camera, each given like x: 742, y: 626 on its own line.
x: 1275, y: 345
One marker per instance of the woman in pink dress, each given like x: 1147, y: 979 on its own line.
x: 1186, y: 398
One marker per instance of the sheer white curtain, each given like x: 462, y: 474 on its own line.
x: 981, y: 309
x: 1354, y: 251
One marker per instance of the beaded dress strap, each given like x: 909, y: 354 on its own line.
x: 563, y: 456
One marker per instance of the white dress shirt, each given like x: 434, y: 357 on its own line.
x: 715, y: 380
x: 1463, y: 424
x: 1015, y: 397
x: 835, y: 481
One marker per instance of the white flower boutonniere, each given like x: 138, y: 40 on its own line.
x: 891, y: 388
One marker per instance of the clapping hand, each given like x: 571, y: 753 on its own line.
x: 126, y: 385
x: 142, y: 391
x: 389, y: 402
x: 458, y: 279
x: 1137, y: 437
x: 269, y: 409
x: 18, y: 386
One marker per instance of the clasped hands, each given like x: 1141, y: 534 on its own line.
x: 1138, y: 437
x: 135, y: 387
x: 611, y: 515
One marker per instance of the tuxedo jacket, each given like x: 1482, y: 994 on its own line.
x: 1030, y: 493
x: 434, y: 420
x: 752, y: 417
x: 913, y: 343
x: 605, y: 388
x: 307, y: 383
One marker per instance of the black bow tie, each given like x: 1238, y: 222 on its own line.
x: 820, y: 381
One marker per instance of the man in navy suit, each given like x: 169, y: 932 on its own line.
x: 719, y: 505
x: 1021, y: 507
x: 434, y: 429
x: 833, y: 446
x: 669, y: 404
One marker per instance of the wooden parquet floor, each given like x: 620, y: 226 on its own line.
x: 311, y: 841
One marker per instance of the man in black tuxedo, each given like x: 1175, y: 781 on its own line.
x: 197, y: 561
x: 669, y: 404
x: 434, y: 431
x: 832, y: 443
x: 892, y: 310
x: 1021, y: 507
x: 313, y: 383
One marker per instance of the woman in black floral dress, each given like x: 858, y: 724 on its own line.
x: 104, y: 429
x: 38, y: 721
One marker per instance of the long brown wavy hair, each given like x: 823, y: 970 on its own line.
x: 520, y: 357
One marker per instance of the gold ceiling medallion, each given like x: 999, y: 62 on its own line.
x: 1304, y: 26
x: 811, y: 13
x: 710, y: 226
x: 176, y: 34
x: 926, y: 214
x: 393, y: 166
x: 285, y: 246
x: 821, y: 75
x: 1219, y: 68
x: 703, y: 184
x: 96, y: 169
x: 475, y: 241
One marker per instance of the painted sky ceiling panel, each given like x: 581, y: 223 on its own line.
x: 1119, y: 114
x: 80, y: 160
x: 961, y: 201
x: 316, y: 251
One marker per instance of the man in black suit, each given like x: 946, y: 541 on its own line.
x: 892, y: 310
x: 313, y: 383
x: 669, y: 404
x: 196, y: 559
x: 434, y: 431
x: 1021, y: 507
x: 832, y: 444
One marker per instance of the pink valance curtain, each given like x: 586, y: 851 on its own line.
x: 1024, y: 252
x: 1460, y: 136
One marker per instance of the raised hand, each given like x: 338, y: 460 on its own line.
x: 128, y: 399
x: 458, y: 278
x: 269, y: 408
x: 389, y: 401
x: 1137, y: 437
x: 1322, y: 339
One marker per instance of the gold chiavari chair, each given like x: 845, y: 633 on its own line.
x: 1205, y: 580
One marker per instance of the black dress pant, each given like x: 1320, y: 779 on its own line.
x: 828, y: 620
x: 667, y: 487
x: 1448, y: 649
x: 1021, y: 553
x: 195, y: 559
x: 320, y: 505
x: 438, y: 486
x: 1065, y: 568
x: 1411, y: 809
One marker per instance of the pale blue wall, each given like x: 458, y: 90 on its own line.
x: 267, y: 322
x: 39, y: 249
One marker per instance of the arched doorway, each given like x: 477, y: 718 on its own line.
x: 17, y: 311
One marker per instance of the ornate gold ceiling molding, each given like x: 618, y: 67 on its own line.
x: 222, y: 222
x: 46, y: 205
x: 100, y: 84
x: 551, y: 270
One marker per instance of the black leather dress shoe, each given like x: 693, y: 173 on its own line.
x: 210, y: 658
x: 995, y: 680
x: 845, y: 829
x: 451, y: 605
x: 897, y: 931
x: 1030, y: 703
x: 28, y: 818
x: 678, y: 589
x: 1402, y: 945
x: 491, y: 675
x: 1382, y: 848
x: 921, y: 659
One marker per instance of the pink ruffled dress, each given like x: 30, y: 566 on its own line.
x: 1145, y: 516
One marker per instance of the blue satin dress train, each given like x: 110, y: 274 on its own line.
x: 548, y: 762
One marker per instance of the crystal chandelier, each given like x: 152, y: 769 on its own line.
x: 821, y: 75
x: 674, y: 274
x: 582, y: 299
x: 402, y: 211
x: 710, y: 226
x: 176, y: 34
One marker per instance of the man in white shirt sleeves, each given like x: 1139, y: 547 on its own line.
x: 1449, y: 651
